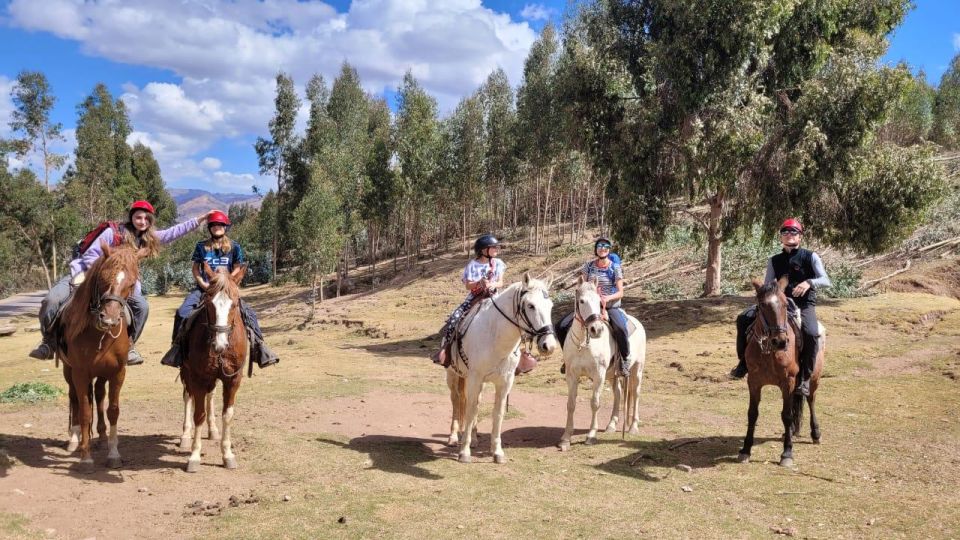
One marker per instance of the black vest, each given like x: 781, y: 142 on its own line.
x: 798, y: 267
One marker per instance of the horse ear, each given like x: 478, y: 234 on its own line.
x: 237, y: 276
x: 526, y: 280
x: 596, y: 281
x: 782, y: 283
x: 105, y: 248
x: 550, y: 278
x: 580, y: 280
x: 757, y: 285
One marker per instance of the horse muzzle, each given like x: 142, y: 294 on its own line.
x: 779, y: 343
x: 547, y: 342
x: 595, y: 329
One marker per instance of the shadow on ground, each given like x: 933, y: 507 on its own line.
x: 139, y: 453
x: 393, y: 454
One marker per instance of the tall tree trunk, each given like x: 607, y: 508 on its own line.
x: 276, y: 223
x: 711, y: 286
x: 53, y: 255
x: 313, y: 297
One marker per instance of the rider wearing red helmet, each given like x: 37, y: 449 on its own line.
x: 138, y: 232
x: 218, y: 251
x: 805, y: 274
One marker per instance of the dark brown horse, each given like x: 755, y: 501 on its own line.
x: 95, y: 345
x: 216, y: 349
x: 772, y: 356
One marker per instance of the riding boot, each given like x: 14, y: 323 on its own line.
x: 740, y: 371
x: 743, y: 322
x: 807, y: 359
x: 44, y: 351
x: 262, y: 354
x: 173, y: 358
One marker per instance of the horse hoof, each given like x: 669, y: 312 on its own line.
x: 114, y: 463
x: 816, y: 440
x: 193, y: 466
x: 612, y: 428
x: 634, y: 431
x: 186, y: 445
x: 230, y: 463
x: 453, y: 441
x: 72, y: 446
x: 564, y: 446
x: 591, y: 440
x: 743, y: 458
x: 499, y: 459
x: 786, y: 462
x: 85, y: 466
x: 464, y: 459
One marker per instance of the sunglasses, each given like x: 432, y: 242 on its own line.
x: 789, y: 231
x: 603, y: 246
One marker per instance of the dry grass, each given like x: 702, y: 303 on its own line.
x: 887, y: 468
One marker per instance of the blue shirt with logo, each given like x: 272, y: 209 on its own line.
x: 217, y: 259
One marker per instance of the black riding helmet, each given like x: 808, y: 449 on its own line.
x: 484, y: 242
x: 601, y: 240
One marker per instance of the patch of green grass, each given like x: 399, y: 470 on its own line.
x: 31, y: 392
x: 14, y: 526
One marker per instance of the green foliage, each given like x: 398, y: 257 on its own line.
x: 32, y: 102
x: 846, y: 282
x: 745, y: 258
x: 946, y: 108
x: 664, y: 290
x: 911, y: 118
x: 31, y: 392
x: 316, y: 229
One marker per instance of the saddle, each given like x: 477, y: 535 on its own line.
x: 458, y: 332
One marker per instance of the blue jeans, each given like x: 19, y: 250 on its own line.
x: 618, y: 321
x: 193, y: 300
x: 59, y: 293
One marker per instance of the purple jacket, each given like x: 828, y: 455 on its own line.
x: 85, y: 261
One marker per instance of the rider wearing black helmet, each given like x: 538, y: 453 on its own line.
x: 482, y: 276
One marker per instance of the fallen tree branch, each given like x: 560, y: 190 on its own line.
x: 868, y: 284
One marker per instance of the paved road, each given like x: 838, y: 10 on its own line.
x: 21, y: 304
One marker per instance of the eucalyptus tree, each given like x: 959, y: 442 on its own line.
x: 758, y: 110
x: 32, y: 102
x: 946, y: 109
x: 274, y: 153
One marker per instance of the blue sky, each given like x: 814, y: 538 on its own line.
x: 198, y: 76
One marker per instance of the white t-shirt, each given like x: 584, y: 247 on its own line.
x: 476, y: 270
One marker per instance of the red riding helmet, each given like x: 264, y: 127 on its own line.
x: 141, y: 205
x: 218, y: 217
x: 791, y: 223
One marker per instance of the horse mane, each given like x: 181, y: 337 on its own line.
x: 75, y: 317
x: 771, y: 287
x: 221, y: 282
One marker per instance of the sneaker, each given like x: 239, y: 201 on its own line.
x: 44, y: 351
x: 803, y: 388
x: 134, y: 358
x: 739, y: 372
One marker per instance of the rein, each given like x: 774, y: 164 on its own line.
x: 584, y: 322
x: 528, y: 333
x: 766, y: 332
x: 217, y: 329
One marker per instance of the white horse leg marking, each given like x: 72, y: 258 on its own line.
x: 474, y: 386
x: 226, y: 445
x: 595, y: 407
x: 499, y: 409
x: 212, y: 431
x: 74, y: 438
x: 193, y: 464
x: 187, y: 437
x: 113, y: 456
x: 572, y: 384
x: 636, y: 377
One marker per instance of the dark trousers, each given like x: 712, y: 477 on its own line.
x: 447, y: 331
x: 618, y: 322
x: 810, y: 333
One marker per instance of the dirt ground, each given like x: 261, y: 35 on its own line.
x: 345, y: 437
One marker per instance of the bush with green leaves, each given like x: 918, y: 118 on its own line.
x: 846, y: 282
x: 31, y: 392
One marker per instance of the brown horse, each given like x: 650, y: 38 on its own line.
x: 772, y: 359
x: 216, y: 350
x: 95, y: 345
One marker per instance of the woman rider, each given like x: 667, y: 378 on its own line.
x: 218, y: 251
x: 138, y: 232
x: 805, y: 274
x: 482, y: 276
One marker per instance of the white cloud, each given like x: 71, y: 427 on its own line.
x: 536, y: 12
x: 956, y: 42
x: 211, y: 163
x: 6, y: 105
x: 236, y: 182
x: 227, y: 54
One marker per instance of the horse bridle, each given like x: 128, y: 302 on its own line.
x: 527, y: 333
x: 593, y: 317
x: 98, y: 300
x: 217, y: 329
x: 768, y: 331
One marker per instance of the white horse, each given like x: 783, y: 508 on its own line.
x: 489, y: 351
x: 588, y: 351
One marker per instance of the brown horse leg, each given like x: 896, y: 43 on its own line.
x: 753, y: 412
x: 786, y: 415
x: 230, y: 388
x: 199, y: 397
x: 99, y: 392
x: 113, y: 414
x: 814, y: 423
x: 73, y: 423
x: 82, y: 385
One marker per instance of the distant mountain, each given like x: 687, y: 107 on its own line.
x: 193, y: 202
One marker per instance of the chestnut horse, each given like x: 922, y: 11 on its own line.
x: 216, y: 350
x: 772, y: 359
x: 94, y: 347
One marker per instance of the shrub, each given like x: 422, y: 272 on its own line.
x: 29, y: 393
x: 846, y: 282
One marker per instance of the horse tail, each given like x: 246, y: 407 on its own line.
x: 797, y: 413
